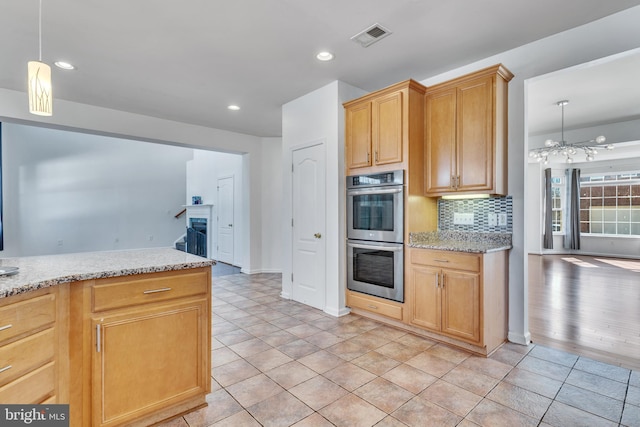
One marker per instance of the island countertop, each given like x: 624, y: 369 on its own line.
x: 43, y: 271
x: 460, y: 241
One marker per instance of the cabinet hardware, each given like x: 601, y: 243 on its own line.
x: 155, y: 291
x: 5, y: 327
x: 457, y: 181
x: 6, y: 368
x: 317, y: 235
x: 437, y: 280
x: 372, y: 307
x: 368, y: 156
x: 443, y: 280
x: 376, y: 153
x: 441, y: 260
x: 98, y: 338
x: 452, y: 182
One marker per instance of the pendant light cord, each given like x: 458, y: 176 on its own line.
x: 40, y: 32
x: 562, y: 125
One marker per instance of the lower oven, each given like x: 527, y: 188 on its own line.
x: 376, y: 268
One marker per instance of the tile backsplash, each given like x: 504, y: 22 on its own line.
x: 481, y: 210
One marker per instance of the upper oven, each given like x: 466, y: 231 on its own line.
x: 375, y: 207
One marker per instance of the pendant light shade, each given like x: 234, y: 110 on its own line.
x: 39, y: 83
x: 39, y: 79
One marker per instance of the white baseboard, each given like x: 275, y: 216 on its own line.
x: 518, y: 338
x: 285, y: 295
x: 337, y: 313
x: 260, y: 270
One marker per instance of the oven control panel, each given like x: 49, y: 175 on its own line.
x: 376, y: 180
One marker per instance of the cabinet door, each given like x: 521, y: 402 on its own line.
x: 425, y: 309
x: 440, y: 149
x: 166, y: 367
x: 461, y: 305
x: 475, y: 135
x: 358, y: 136
x: 387, y: 129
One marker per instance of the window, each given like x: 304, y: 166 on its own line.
x: 557, y: 192
x: 610, y: 204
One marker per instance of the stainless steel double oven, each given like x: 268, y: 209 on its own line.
x: 375, y: 233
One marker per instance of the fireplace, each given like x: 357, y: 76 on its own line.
x: 199, y: 234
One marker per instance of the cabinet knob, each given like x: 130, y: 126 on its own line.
x: 317, y: 235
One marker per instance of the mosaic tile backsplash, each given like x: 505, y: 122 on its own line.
x: 480, y: 208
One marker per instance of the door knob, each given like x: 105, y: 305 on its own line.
x: 317, y: 235
x: 230, y: 225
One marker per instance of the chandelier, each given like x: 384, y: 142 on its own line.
x: 568, y: 150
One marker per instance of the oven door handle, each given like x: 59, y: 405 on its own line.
x: 378, y: 248
x: 374, y: 191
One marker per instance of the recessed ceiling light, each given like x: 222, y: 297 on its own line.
x: 325, y: 56
x: 233, y: 107
x: 64, y: 65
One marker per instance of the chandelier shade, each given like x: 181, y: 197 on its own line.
x: 568, y: 150
x: 40, y: 91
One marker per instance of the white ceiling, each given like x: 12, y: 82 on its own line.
x: 599, y: 93
x: 187, y: 60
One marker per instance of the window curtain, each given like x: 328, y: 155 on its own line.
x: 572, y: 228
x: 548, y: 228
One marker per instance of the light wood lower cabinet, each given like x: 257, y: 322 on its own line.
x: 33, y: 347
x: 143, y: 343
x: 375, y: 305
x: 459, y: 295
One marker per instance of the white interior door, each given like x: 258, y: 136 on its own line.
x: 308, y: 265
x: 225, y: 220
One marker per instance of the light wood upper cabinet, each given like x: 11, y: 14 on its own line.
x: 387, y: 129
x: 358, y: 125
x: 466, y: 134
x: 381, y: 127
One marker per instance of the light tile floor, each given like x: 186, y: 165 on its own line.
x: 276, y: 362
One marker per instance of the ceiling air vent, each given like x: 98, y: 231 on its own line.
x: 371, y: 35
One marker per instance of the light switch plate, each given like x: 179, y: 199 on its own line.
x: 492, y: 219
x: 502, y: 219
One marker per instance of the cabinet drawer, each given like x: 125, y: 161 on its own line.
x: 446, y: 259
x: 35, y: 387
x: 117, y: 293
x: 23, y: 355
x: 375, y: 306
x: 24, y: 316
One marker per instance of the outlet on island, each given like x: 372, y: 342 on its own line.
x: 463, y: 218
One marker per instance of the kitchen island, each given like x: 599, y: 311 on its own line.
x: 124, y: 337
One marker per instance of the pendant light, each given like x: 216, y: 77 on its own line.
x: 39, y: 80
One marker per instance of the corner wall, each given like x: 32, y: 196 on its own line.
x: 319, y: 116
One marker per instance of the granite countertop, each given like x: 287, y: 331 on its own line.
x: 461, y: 241
x: 43, y: 271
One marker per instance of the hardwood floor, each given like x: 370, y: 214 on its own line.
x: 588, y: 306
